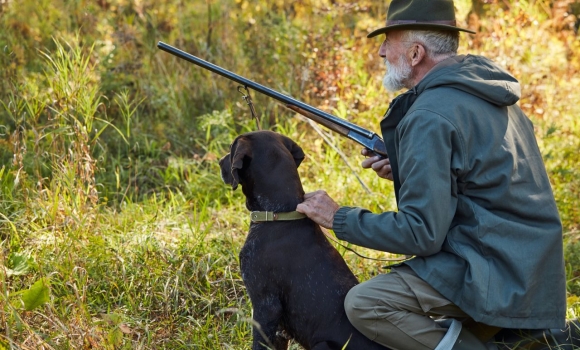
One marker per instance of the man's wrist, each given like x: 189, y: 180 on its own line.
x: 339, y: 221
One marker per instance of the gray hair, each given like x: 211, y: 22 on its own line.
x: 437, y: 43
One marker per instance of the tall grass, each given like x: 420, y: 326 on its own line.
x: 116, y: 231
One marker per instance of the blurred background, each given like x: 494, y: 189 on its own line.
x: 116, y: 231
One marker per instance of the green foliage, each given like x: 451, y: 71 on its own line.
x: 18, y: 264
x: 572, y: 256
x: 36, y: 295
x: 116, y: 231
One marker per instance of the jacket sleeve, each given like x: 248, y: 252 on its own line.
x: 429, y: 156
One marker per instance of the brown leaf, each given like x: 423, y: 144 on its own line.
x: 125, y: 329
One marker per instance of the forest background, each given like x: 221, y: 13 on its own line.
x: 116, y: 231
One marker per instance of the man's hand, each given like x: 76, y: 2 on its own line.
x: 319, y: 207
x: 381, y: 166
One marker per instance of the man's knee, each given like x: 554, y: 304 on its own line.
x: 369, y: 301
x: 360, y: 310
x: 382, y: 293
x: 376, y: 309
x: 382, y: 299
x: 352, y: 303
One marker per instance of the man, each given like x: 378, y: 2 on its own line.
x: 475, y: 205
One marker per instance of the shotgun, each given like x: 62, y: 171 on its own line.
x: 364, y: 137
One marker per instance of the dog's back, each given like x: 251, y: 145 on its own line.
x: 295, y: 278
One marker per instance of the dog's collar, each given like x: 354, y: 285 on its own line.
x: 261, y: 216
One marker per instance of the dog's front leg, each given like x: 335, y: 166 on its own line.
x: 267, y: 317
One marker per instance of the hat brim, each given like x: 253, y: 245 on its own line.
x: 417, y: 26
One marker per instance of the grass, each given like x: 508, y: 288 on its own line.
x: 116, y: 231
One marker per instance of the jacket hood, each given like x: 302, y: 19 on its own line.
x: 475, y: 75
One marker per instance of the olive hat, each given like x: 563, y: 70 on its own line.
x: 420, y: 14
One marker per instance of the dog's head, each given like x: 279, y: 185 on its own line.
x: 262, y: 148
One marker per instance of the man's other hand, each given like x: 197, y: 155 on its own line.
x: 381, y: 166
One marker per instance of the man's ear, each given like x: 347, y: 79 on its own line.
x: 240, y: 149
x: 295, y: 150
x: 416, y: 54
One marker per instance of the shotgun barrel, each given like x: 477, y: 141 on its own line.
x: 350, y: 130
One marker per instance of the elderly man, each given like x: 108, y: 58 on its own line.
x: 474, y: 201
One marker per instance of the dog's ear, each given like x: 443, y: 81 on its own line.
x: 295, y: 150
x: 240, y: 149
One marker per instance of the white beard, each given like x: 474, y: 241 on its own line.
x: 397, y: 75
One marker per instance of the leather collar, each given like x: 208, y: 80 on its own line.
x: 261, y: 216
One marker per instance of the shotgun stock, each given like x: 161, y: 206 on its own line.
x: 364, y: 137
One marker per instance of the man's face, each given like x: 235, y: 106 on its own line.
x: 399, y: 70
x: 398, y: 74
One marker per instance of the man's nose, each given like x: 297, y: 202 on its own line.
x: 383, y: 49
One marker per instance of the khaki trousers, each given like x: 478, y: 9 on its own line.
x: 398, y: 310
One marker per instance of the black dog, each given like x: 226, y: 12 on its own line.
x: 295, y: 278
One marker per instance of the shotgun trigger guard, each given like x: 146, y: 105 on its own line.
x: 246, y: 96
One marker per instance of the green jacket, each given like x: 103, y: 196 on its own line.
x: 475, y: 204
